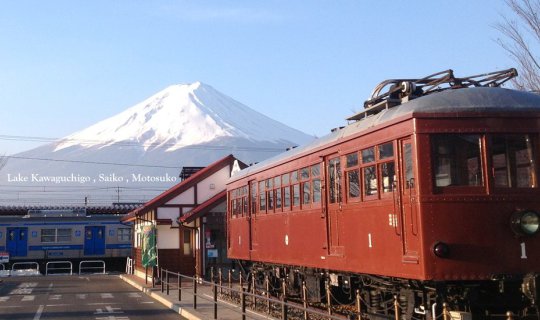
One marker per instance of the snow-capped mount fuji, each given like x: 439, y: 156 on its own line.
x: 182, y: 125
x: 183, y: 115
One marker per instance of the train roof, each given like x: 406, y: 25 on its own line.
x: 51, y: 211
x: 475, y: 100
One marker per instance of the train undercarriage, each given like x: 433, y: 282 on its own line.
x: 378, y: 297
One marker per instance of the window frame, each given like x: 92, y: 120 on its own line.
x: 55, y: 235
x: 121, y: 234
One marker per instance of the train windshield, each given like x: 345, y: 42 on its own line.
x: 458, y: 160
x: 512, y: 161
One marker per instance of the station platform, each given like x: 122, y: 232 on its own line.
x: 205, y: 304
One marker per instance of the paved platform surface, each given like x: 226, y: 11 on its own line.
x: 205, y: 304
x: 95, y: 297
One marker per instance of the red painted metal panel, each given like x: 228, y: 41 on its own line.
x: 394, y: 234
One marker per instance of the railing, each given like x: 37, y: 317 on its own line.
x: 246, y: 300
x: 93, y: 264
x: 67, y: 266
x: 4, y: 272
x: 129, y: 265
x: 28, y: 268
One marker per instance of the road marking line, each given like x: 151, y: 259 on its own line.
x: 38, y: 313
x: 4, y: 299
x: 106, y: 296
x: 55, y: 297
x: 59, y: 305
x: 28, y: 298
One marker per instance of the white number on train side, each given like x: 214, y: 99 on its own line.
x: 523, y: 251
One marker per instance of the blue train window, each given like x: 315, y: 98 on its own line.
x: 34, y: 234
x: 111, y: 233
x: 78, y: 233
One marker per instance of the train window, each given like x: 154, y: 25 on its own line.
x: 353, y: 183
x: 368, y: 155
x: 513, y: 161
x: 56, y: 235
x: 262, y: 197
x: 408, y: 162
x: 334, y: 176
x: 253, y: 194
x: 316, y: 190
x: 386, y: 150
x: 245, y: 205
x: 277, y: 193
x: 270, y: 194
x: 370, y: 181
x: 124, y: 234
x: 286, y: 197
x: 48, y: 235
x: 234, y: 208
x: 315, y: 170
x: 285, y: 179
x: 352, y: 160
x: 457, y: 160
x: 286, y: 190
x: 63, y: 235
x: 277, y: 182
x: 296, y: 195
x: 306, y: 186
x: 304, y: 174
x: 294, y: 176
x: 388, y: 174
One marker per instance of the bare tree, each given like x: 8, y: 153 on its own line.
x: 521, y: 35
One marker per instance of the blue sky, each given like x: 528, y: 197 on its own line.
x: 65, y: 65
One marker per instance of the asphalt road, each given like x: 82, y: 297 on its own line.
x: 95, y: 297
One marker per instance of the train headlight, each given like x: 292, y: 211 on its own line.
x: 441, y: 249
x: 525, y: 223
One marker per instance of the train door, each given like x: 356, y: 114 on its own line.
x: 94, y: 240
x: 17, y: 242
x: 408, y: 207
x: 333, y: 204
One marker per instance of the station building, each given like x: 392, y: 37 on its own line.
x: 187, y: 221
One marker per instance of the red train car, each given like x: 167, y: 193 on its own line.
x: 430, y: 195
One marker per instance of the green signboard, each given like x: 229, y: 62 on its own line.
x: 149, y: 251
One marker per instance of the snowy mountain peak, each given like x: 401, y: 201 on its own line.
x: 179, y: 116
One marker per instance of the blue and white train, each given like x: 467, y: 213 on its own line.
x: 67, y: 234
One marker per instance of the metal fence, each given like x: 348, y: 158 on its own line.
x: 53, y: 266
x: 238, y: 293
x: 92, y: 265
